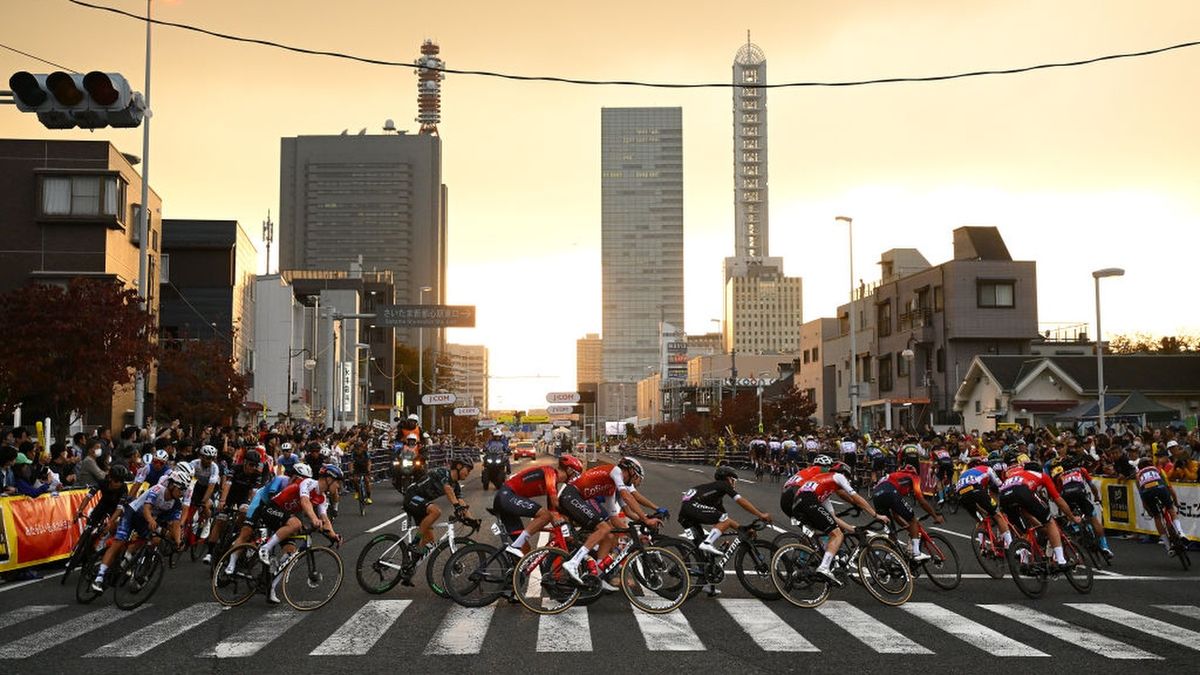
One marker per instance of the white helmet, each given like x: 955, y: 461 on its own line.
x: 823, y: 460
x: 286, y: 446
x: 414, y: 418
x: 208, y: 451
x: 302, y: 469
x: 180, y: 478
x: 326, y: 452
x: 185, y: 467
x: 161, y: 455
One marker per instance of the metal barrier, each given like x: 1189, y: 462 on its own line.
x: 691, y: 455
x: 381, y: 459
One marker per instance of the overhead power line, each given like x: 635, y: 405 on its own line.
x: 640, y: 83
x: 37, y: 58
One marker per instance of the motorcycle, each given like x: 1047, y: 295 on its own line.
x: 495, y: 465
x: 406, y: 469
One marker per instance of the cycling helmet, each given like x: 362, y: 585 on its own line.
x: 161, y: 455
x: 975, y: 461
x: 1055, y: 469
x: 570, y: 463
x: 994, y: 456
x: 462, y: 463
x: 326, y: 452
x: 1032, y: 466
x: 303, y: 470
x: 252, y: 458
x: 724, y: 472
x: 208, y: 451
x: 411, y: 439
x: 187, y: 468
x: 1069, y: 462
x: 631, y: 464
x: 120, y: 473
x: 286, y: 446
x: 179, y: 479
x: 331, y: 470
x: 823, y: 460
x: 147, y: 458
x: 414, y: 418
x: 844, y: 469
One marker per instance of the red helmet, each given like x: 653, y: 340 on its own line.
x: 570, y: 463
x: 908, y: 468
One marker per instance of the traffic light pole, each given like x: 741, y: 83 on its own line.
x: 139, y: 387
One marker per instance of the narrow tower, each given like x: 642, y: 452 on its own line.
x: 429, y: 87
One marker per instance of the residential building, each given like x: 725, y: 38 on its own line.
x: 641, y: 232
x: 468, y: 375
x: 286, y: 339
x: 813, y: 377
x: 588, y: 355
x: 71, y: 210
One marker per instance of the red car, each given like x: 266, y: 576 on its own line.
x: 524, y: 450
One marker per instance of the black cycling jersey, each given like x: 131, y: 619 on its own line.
x: 360, y: 460
x: 242, y: 483
x: 711, y: 494
x: 110, y: 499
x: 432, y: 487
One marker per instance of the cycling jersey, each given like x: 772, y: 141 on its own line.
x: 360, y: 460
x: 1150, y: 477
x: 1154, y: 490
x: 1019, y: 493
x: 604, y: 480
x: 822, y: 486
x: 905, y: 483
x: 205, y: 476
x: 274, y: 487
x: 977, y: 478
x: 801, y: 476
x: 942, y: 455
x: 241, y: 484
x: 849, y: 447
x: 711, y: 494
x: 1031, y: 480
x: 162, y: 509
x: 535, y: 481
x: 1074, y: 480
x: 289, y: 499
x: 150, y: 474
x: 110, y: 499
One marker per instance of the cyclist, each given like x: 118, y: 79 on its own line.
x: 878, y: 461
x: 297, y: 473
x: 617, y: 487
x: 287, y: 456
x: 113, y: 495
x: 514, y: 499
x: 419, y: 500
x: 236, y: 492
x: 1018, y: 498
x: 888, y: 497
x: 360, y: 467
x: 944, y: 470
x: 974, y: 488
x: 705, y: 505
x: 154, y: 466
x: 207, y: 476
x: 787, y: 498
x: 1075, y: 485
x: 1158, y: 497
x: 811, y: 507
x: 157, y: 506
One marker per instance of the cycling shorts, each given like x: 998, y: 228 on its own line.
x: 198, y: 491
x: 878, y: 462
x: 702, y: 514
x: 886, y: 499
x: 417, y: 507
x: 270, y: 516
x: 574, y: 506
x: 850, y: 458
x: 132, y: 522
x: 512, y: 507
x: 786, y: 499
x: 1156, y: 499
x: 1080, y: 501
x: 978, y: 499
x: 1020, y: 497
x: 810, y: 511
x: 239, y: 495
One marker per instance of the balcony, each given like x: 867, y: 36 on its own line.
x: 920, y: 323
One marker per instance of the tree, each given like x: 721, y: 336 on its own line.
x: 1143, y: 343
x: 199, y: 383
x: 791, y: 412
x: 67, y: 348
x: 740, y: 413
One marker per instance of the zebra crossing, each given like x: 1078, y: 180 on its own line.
x: 742, y: 624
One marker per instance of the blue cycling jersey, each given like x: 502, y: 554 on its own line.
x: 277, y: 484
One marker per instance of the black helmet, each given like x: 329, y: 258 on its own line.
x: 1033, y: 466
x: 120, y: 473
x: 724, y: 472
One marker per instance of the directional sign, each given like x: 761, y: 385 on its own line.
x: 563, y: 397
x: 426, y: 316
x: 466, y: 412
x: 484, y: 424
x: 560, y: 409
x: 438, y: 399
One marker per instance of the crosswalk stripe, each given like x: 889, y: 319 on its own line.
x: 668, y: 632
x: 60, y: 633
x: 1145, y: 624
x: 257, y: 635
x: 1190, y: 611
x: 144, y: 639
x: 363, y: 630
x: 462, y: 631
x: 1068, y: 632
x: 769, y: 631
x: 874, y: 634
x: 971, y: 632
x: 26, y: 613
x: 565, y: 632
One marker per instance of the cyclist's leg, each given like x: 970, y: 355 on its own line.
x: 432, y: 512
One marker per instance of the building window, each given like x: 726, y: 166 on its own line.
x: 82, y: 196
x: 995, y: 293
x: 883, y: 318
x: 901, y: 366
x: 814, y: 354
x: 885, y: 373
x: 941, y: 360
x: 939, y: 301
x: 806, y: 356
x: 978, y: 407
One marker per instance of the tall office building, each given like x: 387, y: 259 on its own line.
x: 468, y: 375
x: 641, y: 233
x: 587, y: 359
x: 763, y: 306
x: 375, y: 199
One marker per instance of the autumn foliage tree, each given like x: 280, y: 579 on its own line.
x: 1141, y: 343
x: 199, y: 383
x: 66, y: 348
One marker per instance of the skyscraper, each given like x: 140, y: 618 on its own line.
x: 641, y: 234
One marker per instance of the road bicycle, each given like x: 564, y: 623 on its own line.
x: 310, y: 577
x: 391, y: 558
x: 942, y: 568
x: 135, y: 578
x: 89, y: 538
x: 360, y: 493
x: 1032, y: 569
x: 194, y: 533
x: 881, y: 568
x: 1084, y: 535
x: 1179, y: 545
x: 988, y: 547
x: 751, y: 559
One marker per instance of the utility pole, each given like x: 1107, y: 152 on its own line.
x: 139, y: 384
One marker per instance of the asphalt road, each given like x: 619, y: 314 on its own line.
x: 1144, y: 612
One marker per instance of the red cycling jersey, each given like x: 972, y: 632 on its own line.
x: 903, y: 481
x: 603, y: 480
x: 1075, y: 479
x: 533, y: 482
x: 288, y: 499
x: 801, y: 476
x: 824, y: 485
x: 1030, y: 479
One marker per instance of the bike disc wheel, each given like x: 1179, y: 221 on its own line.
x: 435, y: 565
x: 943, y: 568
x: 655, y: 580
x: 87, y: 573
x: 312, y: 578
x: 753, y: 565
x: 234, y: 589
x: 477, y: 575
x: 691, y: 557
x: 140, y: 581
x: 885, y: 574
x: 1027, y: 569
x: 381, y: 564
x: 541, y: 584
x: 1079, y: 575
x: 992, y: 563
x: 794, y: 571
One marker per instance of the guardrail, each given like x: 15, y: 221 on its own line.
x: 694, y: 455
x: 381, y: 459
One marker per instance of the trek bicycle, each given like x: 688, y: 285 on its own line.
x: 310, y: 577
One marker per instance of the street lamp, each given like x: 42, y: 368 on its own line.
x: 292, y: 353
x: 1097, y: 276
x: 853, y: 340
x: 421, y: 361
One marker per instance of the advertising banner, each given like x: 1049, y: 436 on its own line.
x: 40, y: 529
x: 1123, y: 509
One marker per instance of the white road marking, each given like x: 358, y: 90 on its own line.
x: 769, y: 631
x: 971, y: 632
x: 360, y: 632
x: 533, y: 587
x: 258, y: 634
x: 695, y: 470
x: 462, y: 631
x: 871, y: 632
x: 57, y: 634
x: 565, y: 632
x: 145, y: 639
x: 1190, y: 611
x: 668, y: 632
x: 1068, y: 632
x: 1145, y: 624
x: 951, y: 532
x: 25, y: 613
x: 9, y: 587
x: 385, y: 523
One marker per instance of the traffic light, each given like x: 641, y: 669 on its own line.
x: 67, y: 100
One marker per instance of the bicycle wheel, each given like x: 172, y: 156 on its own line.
x: 381, y: 563
x: 541, y: 584
x: 655, y: 580
x: 233, y: 589
x: 753, y: 566
x: 311, y: 578
x: 985, y: 549
x: 87, y: 573
x: 1028, y: 569
x: 942, y: 568
x: 884, y: 573
x: 794, y: 571
x: 137, y: 581
x: 1079, y: 573
x: 691, y: 557
x: 476, y: 575
x: 362, y: 497
x: 435, y: 564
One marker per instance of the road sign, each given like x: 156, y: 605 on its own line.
x: 484, y: 424
x: 466, y: 412
x: 438, y: 399
x: 563, y: 397
x: 560, y: 409
x: 426, y: 316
